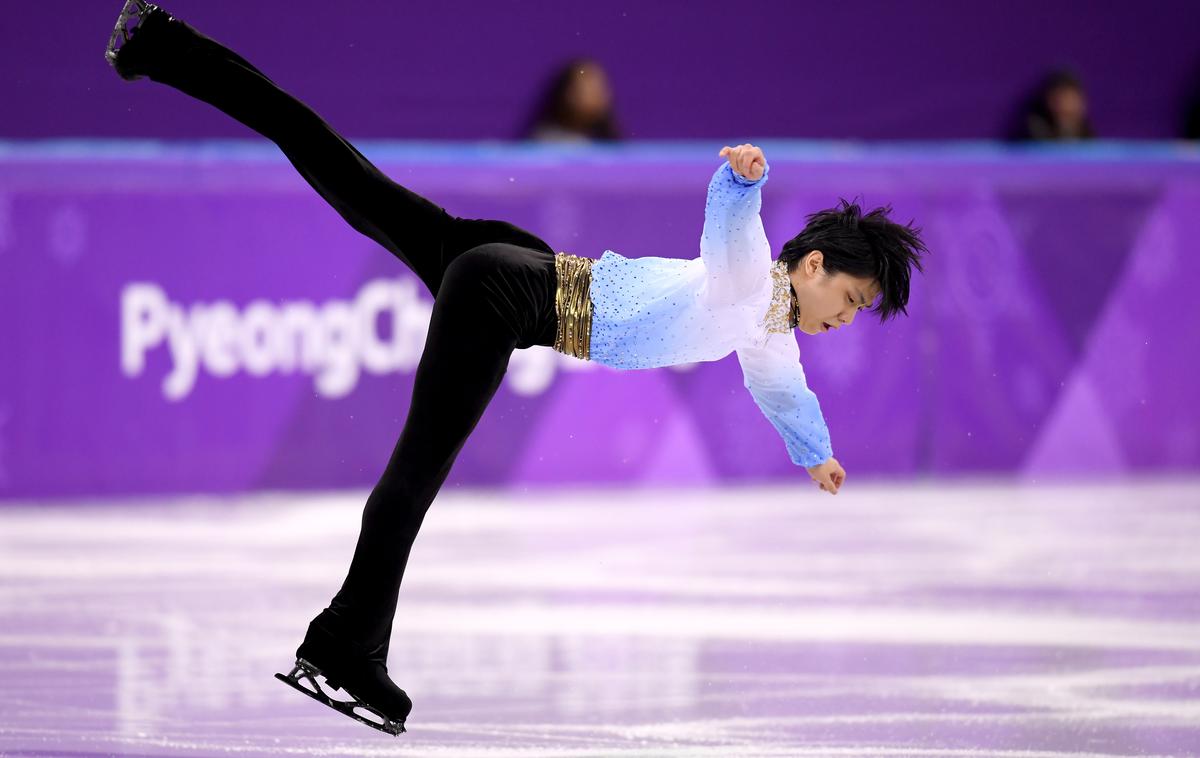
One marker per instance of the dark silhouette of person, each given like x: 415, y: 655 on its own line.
x: 1191, y: 107
x: 575, y: 106
x: 1057, y: 110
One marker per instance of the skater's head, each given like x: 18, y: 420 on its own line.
x: 844, y: 261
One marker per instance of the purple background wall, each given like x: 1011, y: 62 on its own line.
x: 1054, y: 332
x: 1046, y: 338
x: 680, y: 69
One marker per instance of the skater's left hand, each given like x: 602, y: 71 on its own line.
x: 746, y: 160
x: 830, y: 475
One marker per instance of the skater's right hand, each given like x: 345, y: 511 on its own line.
x: 746, y: 159
x: 829, y: 475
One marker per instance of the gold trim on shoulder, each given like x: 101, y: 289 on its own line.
x: 783, y: 313
x: 573, y: 305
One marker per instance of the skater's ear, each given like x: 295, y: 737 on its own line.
x: 814, y: 262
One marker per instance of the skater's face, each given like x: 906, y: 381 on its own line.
x: 828, y: 301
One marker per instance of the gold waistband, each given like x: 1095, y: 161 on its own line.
x: 573, y: 304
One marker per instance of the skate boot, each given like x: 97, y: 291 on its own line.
x: 132, y: 46
x: 375, y: 700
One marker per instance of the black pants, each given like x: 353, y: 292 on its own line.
x: 494, y: 290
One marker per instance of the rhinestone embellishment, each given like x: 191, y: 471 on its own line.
x: 783, y: 314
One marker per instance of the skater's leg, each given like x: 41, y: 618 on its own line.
x: 465, y: 357
x: 414, y: 229
x: 493, y: 299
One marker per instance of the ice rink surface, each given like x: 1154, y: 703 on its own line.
x: 937, y: 619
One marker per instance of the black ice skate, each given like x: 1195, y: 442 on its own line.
x: 375, y: 699
x: 124, y: 51
x: 306, y: 672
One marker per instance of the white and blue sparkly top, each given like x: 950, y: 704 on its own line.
x: 651, y: 311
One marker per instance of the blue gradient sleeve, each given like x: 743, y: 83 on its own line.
x: 776, y: 380
x: 733, y: 243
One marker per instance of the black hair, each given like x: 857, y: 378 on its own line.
x: 870, y: 247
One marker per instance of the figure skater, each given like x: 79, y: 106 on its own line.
x: 498, y: 287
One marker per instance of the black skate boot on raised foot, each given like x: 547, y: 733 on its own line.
x: 125, y: 51
x: 375, y: 700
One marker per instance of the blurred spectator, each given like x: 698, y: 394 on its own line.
x: 577, y: 105
x: 1057, y: 110
x: 1191, y: 108
x: 1191, y: 124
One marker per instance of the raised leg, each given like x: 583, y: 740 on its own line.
x: 414, y: 229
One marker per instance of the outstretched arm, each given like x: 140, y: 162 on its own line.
x: 776, y: 380
x: 733, y: 244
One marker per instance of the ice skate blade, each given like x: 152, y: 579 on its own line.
x: 305, y: 670
x: 121, y: 32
